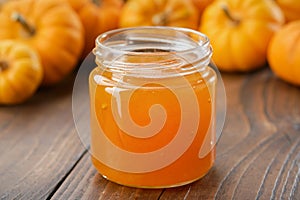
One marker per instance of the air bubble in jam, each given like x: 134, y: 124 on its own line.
x: 104, y: 106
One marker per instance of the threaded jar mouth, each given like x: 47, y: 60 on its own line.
x: 147, y: 50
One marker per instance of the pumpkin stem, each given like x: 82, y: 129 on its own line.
x: 19, y: 18
x: 229, y: 15
x: 3, y: 65
x: 160, y: 19
x: 97, y: 2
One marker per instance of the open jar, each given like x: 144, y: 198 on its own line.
x: 152, y: 101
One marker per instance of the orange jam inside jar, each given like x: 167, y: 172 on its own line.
x: 152, y: 101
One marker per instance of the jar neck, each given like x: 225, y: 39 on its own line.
x: 153, y: 52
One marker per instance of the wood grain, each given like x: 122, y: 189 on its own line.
x: 38, y: 144
x: 85, y: 183
x: 258, y: 155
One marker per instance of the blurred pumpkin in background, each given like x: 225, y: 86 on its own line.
x: 97, y: 16
x: 240, y: 31
x: 290, y: 8
x: 51, y: 27
x: 201, y: 4
x: 159, y: 13
x: 284, y: 53
x: 20, y: 72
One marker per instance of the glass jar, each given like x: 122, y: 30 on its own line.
x: 152, y: 101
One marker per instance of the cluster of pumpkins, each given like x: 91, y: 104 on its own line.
x: 42, y: 41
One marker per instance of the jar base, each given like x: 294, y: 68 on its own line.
x: 151, y: 186
x: 156, y: 187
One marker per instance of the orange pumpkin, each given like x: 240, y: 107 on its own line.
x: 284, y: 51
x: 20, y: 72
x: 240, y: 31
x: 159, y: 13
x: 290, y: 8
x: 49, y: 26
x: 97, y: 16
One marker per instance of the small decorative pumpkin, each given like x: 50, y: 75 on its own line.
x: 284, y: 51
x: 97, y: 16
x: 49, y: 26
x: 20, y: 72
x: 240, y: 31
x: 290, y: 8
x: 159, y: 13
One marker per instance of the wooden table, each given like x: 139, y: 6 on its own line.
x: 258, y: 155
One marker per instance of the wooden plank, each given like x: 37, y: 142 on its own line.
x: 38, y: 144
x: 85, y: 182
x: 258, y: 154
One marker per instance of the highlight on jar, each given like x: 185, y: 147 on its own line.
x: 155, y: 106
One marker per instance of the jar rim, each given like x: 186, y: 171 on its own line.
x: 205, y: 42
